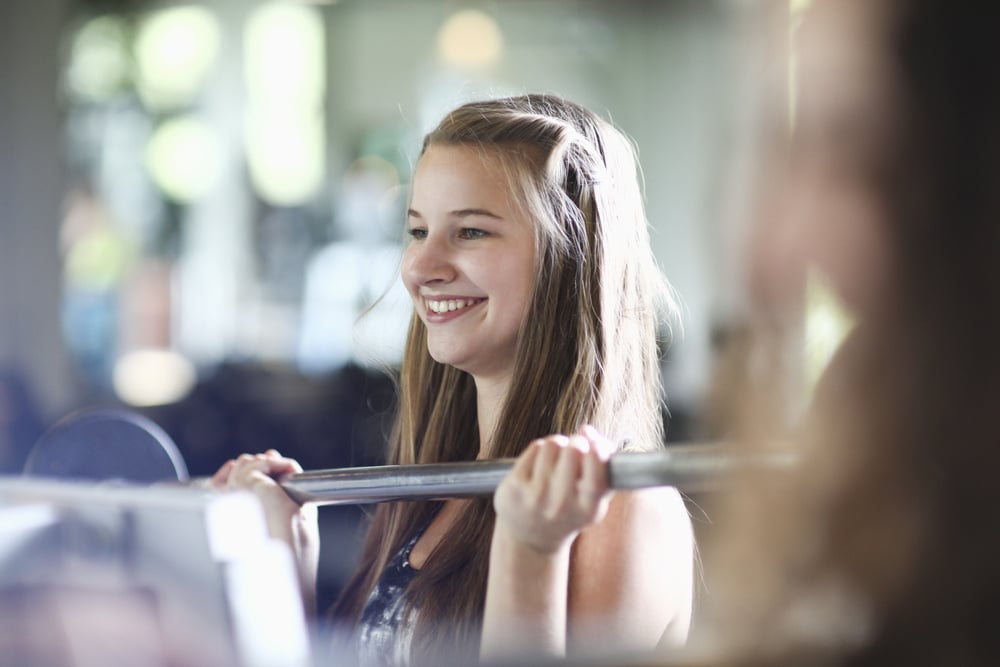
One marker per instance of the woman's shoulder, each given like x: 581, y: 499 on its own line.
x: 655, y: 516
x: 657, y: 508
x: 637, y: 565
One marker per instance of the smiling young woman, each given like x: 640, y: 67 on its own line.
x: 536, y: 306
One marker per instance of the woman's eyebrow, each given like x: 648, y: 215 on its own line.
x: 468, y: 212
x: 459, y: 213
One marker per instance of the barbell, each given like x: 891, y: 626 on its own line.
x: 117, y: 445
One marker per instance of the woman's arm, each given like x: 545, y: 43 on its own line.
x: 632, y: 576
x: 624, y: 583
x: 556, y: 488
x: 294, y: 524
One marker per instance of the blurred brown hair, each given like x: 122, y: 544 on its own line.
x: 881, y: 549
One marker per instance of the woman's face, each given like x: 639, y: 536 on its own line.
x: 470, y: 262
x: 824, y: 207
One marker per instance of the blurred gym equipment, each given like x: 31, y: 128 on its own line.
x: 95, y: 574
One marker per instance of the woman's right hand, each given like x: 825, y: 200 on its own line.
x: 557, y: 488
x: 294, y: 524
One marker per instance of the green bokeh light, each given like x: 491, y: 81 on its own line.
x: 183, y: 158
x: 175, y: 50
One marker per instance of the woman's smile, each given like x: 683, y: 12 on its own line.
x: 445, y: 308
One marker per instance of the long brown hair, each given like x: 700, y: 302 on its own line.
x: 586, y: 353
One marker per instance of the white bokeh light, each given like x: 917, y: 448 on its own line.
x: 175, y: 50
x: 153, y: 377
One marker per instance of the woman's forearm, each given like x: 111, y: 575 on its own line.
x: 526, y: 607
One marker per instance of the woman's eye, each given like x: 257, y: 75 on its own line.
x: 471, y: 233
x: 416, y: 233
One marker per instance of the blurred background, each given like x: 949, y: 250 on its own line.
x: 200, y: 203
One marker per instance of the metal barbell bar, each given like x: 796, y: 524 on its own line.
x: 692, y: 468
x: 107, y: 444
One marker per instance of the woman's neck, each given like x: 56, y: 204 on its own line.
x: 490, y: 396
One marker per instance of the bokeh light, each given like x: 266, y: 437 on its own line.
x: 826, y: 326
x: 153, y: 377
x: 285, y: 155
x: 183, y: 158
x: 98, y: 260
x: 100, y: 65
x: 285, y: 49
x: 285, y: 53
x: 470, y: 39
x: 175, y: 50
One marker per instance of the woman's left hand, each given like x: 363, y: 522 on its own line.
x: 294, y: 524
x: 558, y: 487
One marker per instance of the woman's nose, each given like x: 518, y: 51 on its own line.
x: 428, y: 260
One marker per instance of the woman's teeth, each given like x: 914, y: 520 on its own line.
x: 450, y: 305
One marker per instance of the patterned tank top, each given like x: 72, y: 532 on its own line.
x: 385, y: 631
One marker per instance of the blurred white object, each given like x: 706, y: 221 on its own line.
x: 117, y: 575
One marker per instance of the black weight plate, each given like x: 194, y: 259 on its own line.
x: 106, y: 444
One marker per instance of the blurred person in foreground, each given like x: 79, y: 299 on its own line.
x: 882, y: 547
